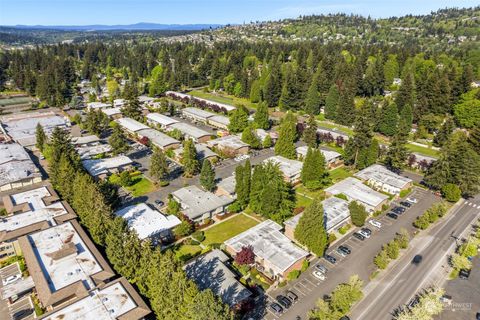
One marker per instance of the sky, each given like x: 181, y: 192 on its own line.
x: 85, y: 12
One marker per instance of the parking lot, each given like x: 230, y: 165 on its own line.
x: 360, y: 261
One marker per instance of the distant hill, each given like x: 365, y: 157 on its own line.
x: 136, y: 26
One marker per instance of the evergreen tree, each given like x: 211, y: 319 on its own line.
x: 474, y: 138
x: 287, y: 134
x: 96, y: 122
x: 189, y: 159
x: 132, y: 108
x: 207, y: 176
x: 158, y: 164
x: 406, y: 93
x: 238, y: 120
x: 310, y: 133
x: 255, y: 92
x: 444, y: 133
x: 313, y: 101
x: 60, y: 145
x: 389, y: 121
x: 314, y: 173
x: 117, y: 140
x: 358, y: 214
x: 40, y: 137
x: 267, y: 142
x: 249, y: 137
x: 261, y: 119
x: 397, y: 154
x: 390, y: 69
x: 157, y: 84
x: 310, y: 230
x: 273, y: 84
x: 345, y: 112
x: 331, y: 103
x: 288, y: 97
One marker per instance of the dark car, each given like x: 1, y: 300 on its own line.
x: 330, y: 259
x: 159, y: 203
x: 417, y: 259
x: 292, y: 296
x: 276, y: 308
x: 478, y: 316
x: 284, y: 301
x: 399, y: 209
x: 392, y: 215
x: 406, y: 204
x: 344, y: 318
x: 464, y: 274
x: 345, y: 249
x: 359, y: 236
x: 321, y: 268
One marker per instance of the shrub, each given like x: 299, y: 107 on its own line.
x: 341, y: 196
x: 402, y: 238
x: 451, y: 192
x: 331, y: 238
x: 392, y: 249
x: 381, y: 259
x: 405, y: 193
x: 3, y: 212
x: 282, y: 284
x: 344, y: 229
x: 293, y: 275
x: 305, y: 265
x: 234, y: 207
x: 199, y: 236
x: 183, y: 229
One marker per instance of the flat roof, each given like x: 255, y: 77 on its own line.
x: 289, y: 167
x: 228, y: 184
x: 34, y: 209
x: 189, y: 130
x: 269, y: 244
x: 21, y: 127
x: 98, y: 105
x: 203, y: 152
x: 230, y: 141
x: 209, y: 271
x: 146, y: 221
x: 85, y: 139
x: 329, y: 155
x: 420, y: 157
x: 227, y: 107
x: 158, y: 138
x: 381, y: 174
x: 220, y: 119
x: 117, y: 300
x: 87, y: 152
x: 15, y: 164
x: 197, y: 112
x: 96, y: 167
x: 354, y: 189
x: 334, y: 132
x: 111, y: 111
x: 196, y: 202
x: 161, y: 119
x: 131, y: 124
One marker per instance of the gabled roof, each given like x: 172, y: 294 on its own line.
x: 131, y: 124
x: 158, y: 138
x: 189, y: 130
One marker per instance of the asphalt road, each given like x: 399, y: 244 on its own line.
x: 359, y: 262
x: 405, y: 279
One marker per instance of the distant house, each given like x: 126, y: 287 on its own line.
x: 226, y: 187
x: 379, y: 177
x: 98, y: 105
x: 113, y: 113
x: 209, y: 271
x: 202, y: 153
x: 159, y: 139
x: 85, y: 140
x: 220, y: 122
x: 334, y: 133
x: 421, y: 161
x: 262, y: 134
x: 197, y: 115
x: 332, y: 158
x: 231, y: 144
x: 291, y: 169
x: 191, y: 132
x: 275, y: 255
x: 397, y: 81
x: 336, y: 214
x: 102, y: 168
x: 147, y: 222
x: 16, y: 168
x: 130, y: 125
x: 118, y: 103
x: 199, y: 205
x: 160, y: 120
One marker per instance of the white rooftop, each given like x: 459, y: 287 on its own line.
x: 97, y: 167
x: 269, y: 244
x: 230, y: 141
x: 111, y: 111
x: 289, y: 167
x: 161, y: 119
x: 228, y: 184
x: 197, y: 112
x: 227, y: 107
x: 354, y: 189
x: 220, y: 119
x: 189, y: 130
x: 85, y: 139
x: 98, y: 105
x: 101, y: 304
x: 158, y: 138
x: 88, y: 152
x: 146, y: 221
x: 62, y: 272
x: 329, y: 155
x: 382, y: 175
x: 131, y: 124
x: 15, y: 164
x: 203, y: 152
x: 38, y: 210
x: 196, y: 202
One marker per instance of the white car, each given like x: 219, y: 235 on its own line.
x: 375, y: 223
x: 411, y: 200
x: 11, y: 279
x: 319, y: 275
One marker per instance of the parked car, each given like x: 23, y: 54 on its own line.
x: 321, y: 268
x: 412, y: 200
x: 446, y: 298
x: 359, y: 236
x: 276, y: 308
x: 11, y: 279
x: 406, y: 204
x: 159, y: 203
x: 284, y: 301
x: 345, y: 249
x: 478, y: 315
x: 292, y: 296
x: 417, y: 259
x: 399, y: 210
x: 365, y: 232
x: 341, y: 253
x: 330, y: 259
x: 464, y: 274
x: 375, y: 223
x: 392, y: 215
x: 319, y: 275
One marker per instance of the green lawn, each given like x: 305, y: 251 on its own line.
x: 331, y: 125
x: 312, y: 194
x: 141, y: 186
x: 423, y: 150
x: 302, y: 201
x: 223, y: 98
x: 339, y: 174
x: 187, y: 249
x: 228, y: 229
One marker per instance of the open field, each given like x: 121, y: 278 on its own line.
x: 228, y: 229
